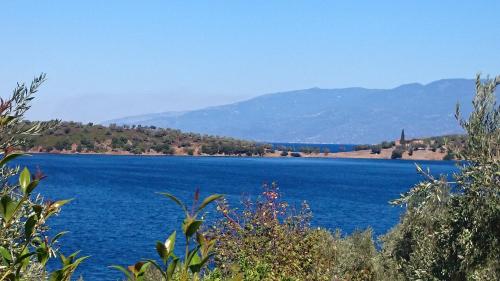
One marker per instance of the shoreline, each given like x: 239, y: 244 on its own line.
x: 360, y: 154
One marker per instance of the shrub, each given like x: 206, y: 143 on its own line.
x: 295, y: 154
x: 397, y: 153
x: 362, y: 147
x: 24, y: 246
x: 189, y: 150
x: 386, y: 144
x: 269, y: 240
x: 450, y: 231
x: 376, y: 149
x: 449, y: 156
x: 284, y: 153
x: 171, y: 266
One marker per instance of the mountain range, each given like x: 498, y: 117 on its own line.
x: 346, y: 115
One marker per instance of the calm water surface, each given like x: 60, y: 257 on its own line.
x: 116, y: 216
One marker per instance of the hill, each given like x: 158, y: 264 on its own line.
x: 349, y: 115
x: 73, y: 137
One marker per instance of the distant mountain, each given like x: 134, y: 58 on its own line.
x: 348, y: 115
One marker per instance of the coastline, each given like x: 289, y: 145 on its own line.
x: 360, y: 154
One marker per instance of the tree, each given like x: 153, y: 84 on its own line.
x: 24, y: 246
x: 376, y: 149
x: 397, y: 153
x: 450, y: 230
x: 402, y: 140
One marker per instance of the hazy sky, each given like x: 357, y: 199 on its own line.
x: 107, y: 59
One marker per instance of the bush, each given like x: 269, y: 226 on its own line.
x: 450, y: 231
x: 295, y: 154
x: 25, y: 247
x: 269, y: 240
x: 362, y: 147
x: 284, y: 153
x: 171, y: 266
x: 189, y: 151
x: 386, y: 144
x: 449, y: 156
x: 376, y: 149
x: 397, y: 153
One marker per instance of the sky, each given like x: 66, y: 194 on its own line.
x: 109, y: 59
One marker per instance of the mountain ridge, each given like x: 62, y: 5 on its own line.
x: 316, y: 115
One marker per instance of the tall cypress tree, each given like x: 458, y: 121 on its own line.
x: 402, y: 139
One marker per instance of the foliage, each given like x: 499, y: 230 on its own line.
x: 24, y: 247
x: 195, y: 258
x: 362, y: 147
x: 397, y: 153
x: 451, y: 230
x: 90, y: 138
x: 387, y: 144
x: 376, y: 149
x: 268, y: 240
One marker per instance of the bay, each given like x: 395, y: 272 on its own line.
x: 117, y: 215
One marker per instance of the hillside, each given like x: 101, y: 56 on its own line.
x: 73, y: 137
x: 349, y: 115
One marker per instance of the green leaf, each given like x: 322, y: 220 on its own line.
x: 7, y: 207
x: 60, y: 203
x: 57, y: 275
x: 162, y: 251
x: 199, y: 264
x: 10, y: 157
x: 42, y: 253
x: 5, y: 254
x: 159, y: 268
x: 124, y: 270
x: 32, y: 186
x: 177, y: 201
x: 191, y: 255
x: 29, y: 226
x: 196, y: 259
x: 58, y: 235
x: 25, y: 180
x: 38, y: 209
x: 54, y: 207
x: 171, y: 268
x: 4, y: 120
x: 24, y: 258
x: 208, y: 200
x: 170, y: 242
x: 191, y: 226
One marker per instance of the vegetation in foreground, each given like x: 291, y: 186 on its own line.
x: 25, y: 247
x: 449, y: 231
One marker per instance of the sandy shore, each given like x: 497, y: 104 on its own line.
x: 361, y: 154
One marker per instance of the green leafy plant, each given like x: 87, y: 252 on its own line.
x: 450, y: 230
x: 269, y: 240
x: 196, y: 257
x: 24, y: 247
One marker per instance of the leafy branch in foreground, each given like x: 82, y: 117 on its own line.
x: 451, y: 230
x: 195, y: 258
x: 24, y: 247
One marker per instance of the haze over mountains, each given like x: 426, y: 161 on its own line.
x: 348, y: 115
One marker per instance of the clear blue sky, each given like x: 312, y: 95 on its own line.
x: 109, y: 59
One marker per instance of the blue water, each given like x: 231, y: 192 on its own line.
x: 116, y: 216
